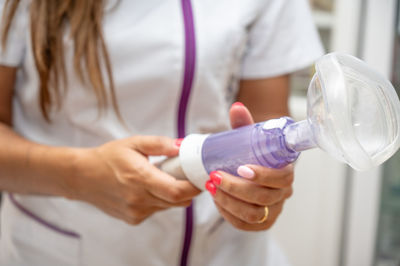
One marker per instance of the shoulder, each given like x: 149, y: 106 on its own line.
x: 12, y: 53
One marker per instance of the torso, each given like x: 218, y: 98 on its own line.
x: 145, y: 40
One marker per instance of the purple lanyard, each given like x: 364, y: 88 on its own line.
x: 190, y: 63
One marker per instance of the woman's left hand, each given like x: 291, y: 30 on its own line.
x: 253, y: 202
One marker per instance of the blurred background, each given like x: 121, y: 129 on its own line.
x: 336, y: 216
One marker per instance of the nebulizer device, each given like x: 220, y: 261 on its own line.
x: 353, y: 114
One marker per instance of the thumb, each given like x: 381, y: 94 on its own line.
x: 239, y: 115
x: 154, y: 145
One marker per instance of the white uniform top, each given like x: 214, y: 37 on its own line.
x: 235, y: 40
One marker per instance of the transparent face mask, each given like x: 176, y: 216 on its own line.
x: 353, y: 111
x: 353, y: 114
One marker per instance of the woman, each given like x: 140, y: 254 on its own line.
x: 91, y: 89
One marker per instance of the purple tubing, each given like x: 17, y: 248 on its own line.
x: 190, y: 63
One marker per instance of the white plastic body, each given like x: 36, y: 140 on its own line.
x: 190, y: 157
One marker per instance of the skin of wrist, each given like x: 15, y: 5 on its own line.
x: 66, y: 165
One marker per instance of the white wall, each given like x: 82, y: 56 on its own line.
x: 365, y: 197
x: 310, y: 227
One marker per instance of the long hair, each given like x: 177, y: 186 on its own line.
x: 48, y: 22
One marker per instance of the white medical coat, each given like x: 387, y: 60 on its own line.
x: 235, y: 39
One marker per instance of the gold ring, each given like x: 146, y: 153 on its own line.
x: 266, y: 212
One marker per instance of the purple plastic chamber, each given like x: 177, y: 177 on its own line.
x: 262, y: 144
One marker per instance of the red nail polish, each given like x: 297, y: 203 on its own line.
x: 178, y: 142
x: 216, y: 178
x: 211, y: 187
x: 237, y: 104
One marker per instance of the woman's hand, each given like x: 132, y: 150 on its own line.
x: 118, y: 179
x: 242, y: 201
x: 253, y: 202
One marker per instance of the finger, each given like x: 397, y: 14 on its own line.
x: 154, y: 145
x: 248, y: 191
x: 145, y: 199
x: 128, y: 214
x: 247, y: 212
x: 164, y: 204
x: 116, y: 213
x: 160, y: 184
x: 239, y: 115
x: 268, y: 177
x: 166, y: 187
x: 137, y: 214
x: 176, y: 192
x: 273, y: 214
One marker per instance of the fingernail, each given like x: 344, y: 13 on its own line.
x: 245, y: 172
x: 216, y: 178
x: 237, y: 104
x: 178, y: 142
x: 211, y: 187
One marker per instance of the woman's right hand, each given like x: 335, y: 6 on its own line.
x: 118, y: 179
